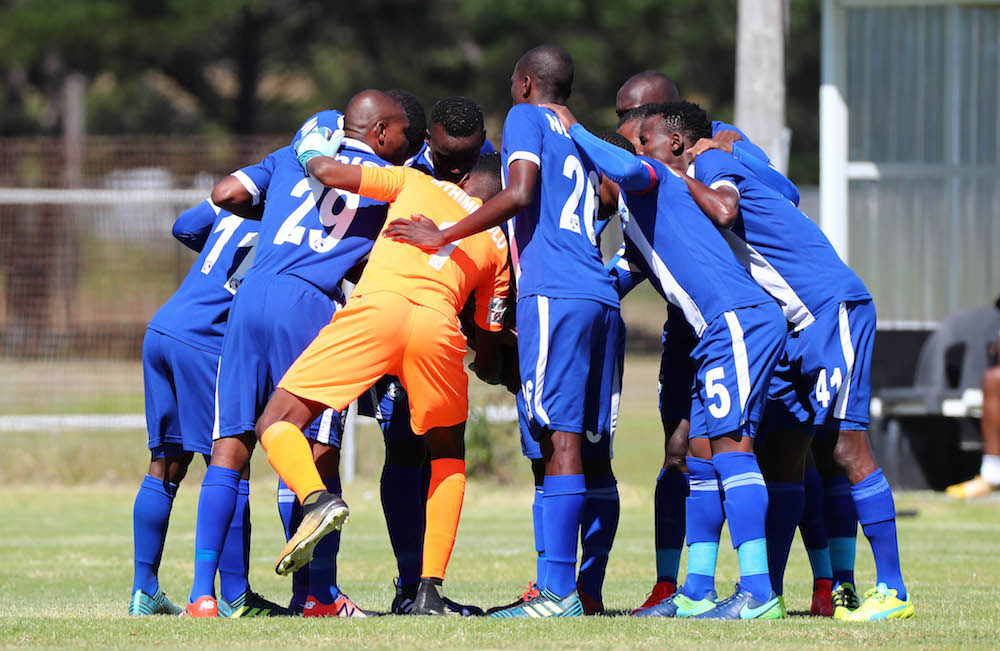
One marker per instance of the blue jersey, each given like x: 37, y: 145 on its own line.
x: 196, y: 314
x: 757, y: 161
x: 424, y: 162
x: 554, y: 248
x: 308, y: 230
x: 784, y: 251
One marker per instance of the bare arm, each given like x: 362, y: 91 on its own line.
x: 722, y: 206
x: 230, y: 195
x: 518, y: 195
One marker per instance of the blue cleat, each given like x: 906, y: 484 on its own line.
x: 742, y: 605
x: 546, y: 604
x: 142, y: 604
x: 679, y: 605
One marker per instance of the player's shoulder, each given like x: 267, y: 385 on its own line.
x: 332, y: 119
x: 719, y: 125
x: 524, y: 112
x: 716, y: 160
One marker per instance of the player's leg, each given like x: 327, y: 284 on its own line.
x: 168, y: 464
x: 841, y: 520
x: 812, y: 528
x: 741, y: 349
x: 290, y: 512
x: 852, y: 452
x: 989, y: 469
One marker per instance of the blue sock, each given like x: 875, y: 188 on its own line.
x: 841, y: 528
x: 598, y: 526
x: 536, y: 519
x: 216, y: 506
x: 404, y: 509
x: 785, y: 503
x: 877, y: 514
x: 150, y: 517
x: 703, y: 522
x: 668, y: 522
x: 234, y: 562
x: 813, y: 528
x: 562, y: 503
x: 323, y: 566
x: 746, y: 509
x: 290, y: 512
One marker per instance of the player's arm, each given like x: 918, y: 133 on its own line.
x: 522, y: 177
x: 490, y: 315
x: 232, y: 195
x: 625, y: 276
x: 721, y: 204
x: 194, y: 225
x: 750, y: 155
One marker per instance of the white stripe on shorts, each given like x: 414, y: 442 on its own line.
x: 739, y: 359
x: 215, y: 425
x: 847, y: 345
x: 325, y: 423
x: 543, y: 358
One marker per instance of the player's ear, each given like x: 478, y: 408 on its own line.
x: 380, y: 131
x: 677, y: 143
x: 427, y: 136
x: 465, y: 180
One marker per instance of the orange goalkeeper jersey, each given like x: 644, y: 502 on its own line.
x: 442, y: 280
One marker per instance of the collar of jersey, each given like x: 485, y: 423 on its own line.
x: 354, y: 143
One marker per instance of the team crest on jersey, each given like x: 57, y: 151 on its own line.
x: 394, y: 391
x: 498, y: 309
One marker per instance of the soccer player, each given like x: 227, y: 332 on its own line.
x: 180, y: 354
x: 827, y: 356
x: 454, y: 141
x: 402, y: 319
x: 310, y: 237
x: 567, y: 308
x: 740, y: 332
x: 635, y: 96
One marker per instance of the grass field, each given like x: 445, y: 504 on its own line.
x: 66, y: 550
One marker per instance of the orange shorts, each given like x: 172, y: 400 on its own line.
x: 379, y: 334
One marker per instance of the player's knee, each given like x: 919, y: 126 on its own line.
x: 283, y: 406
x: 409, y: 452
x: 853, y: 454
x: 991, y: 382
x: 233, y: 452
x: 446, y: 442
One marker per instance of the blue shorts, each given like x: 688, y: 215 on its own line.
x: 825, y: 372
x: 571, y: 354
x: 179, y: 382
x: 271, y: 322
x: 386, y: 401
x: 676, y: 380
x: 734, y: 361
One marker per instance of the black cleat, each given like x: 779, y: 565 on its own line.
x: 428, y: 601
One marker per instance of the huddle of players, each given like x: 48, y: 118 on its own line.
x: 728, y: 346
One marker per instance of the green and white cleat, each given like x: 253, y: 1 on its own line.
x: 546, y: 604
x: 251, y: 604
x: 142, y: 604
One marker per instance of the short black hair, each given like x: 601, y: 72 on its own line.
x: 459, y: 116
x: 684, y: 117
x: 618, y: 140
x: 551, y: 67
x: 637, y: 113
x: 415, y: 113
x: 488, y: 166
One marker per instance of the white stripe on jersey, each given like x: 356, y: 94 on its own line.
x: 739, y: 360
x: 250, y: 186
x: 847, y: 345
x: 543, y: 358
x: 671, y: 288
x: 531, y: 157
x: 770, y: 280
x: 725, y: 183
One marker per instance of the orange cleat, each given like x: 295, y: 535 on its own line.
x: 342, y: 606
x: 821, y: 603
x: 662, y: 590
x: 205, y: 606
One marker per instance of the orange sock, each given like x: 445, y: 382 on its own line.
x: 444, y: 507
x: 289, y: 454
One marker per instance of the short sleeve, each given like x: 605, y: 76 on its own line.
x: 491, y: 295
x: 522, y: 136
x: 718, y: 169
x: 383, y: 183
x: 257, y: 178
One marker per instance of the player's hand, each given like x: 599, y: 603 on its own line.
x: 418, y: 231
x: 563, y: 113
x: 321, y: 141
x: 728, y: 135
x: 704, y: 144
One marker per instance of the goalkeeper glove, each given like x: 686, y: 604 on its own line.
x: 318, y: 142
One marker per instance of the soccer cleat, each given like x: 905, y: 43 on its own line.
x: 590, y: 605
x: 530, y: 593
x: 822, y: 604
x: 205, y: 606
x: 680, y: 605
x: 322, y: 516
x: 158, y: 604
x: 975, y: 487
x: 781, y: 604
x: 251, y: 604
x: 342, y: 606
x: 428, y: 600
x: 462, y: 610
x: 844, y: 599
x: 546, y: 604
x: 402, y: 603
x: 662, y: 590
x: 742, y: 605
x: 881, y: 603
